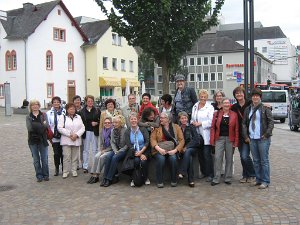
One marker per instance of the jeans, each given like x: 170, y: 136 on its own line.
x: 90, y: 139
x: 260, y: 152
x: 40, y: 160
x: 160, y: 165
x: 246, y: 160
x: 187, y: 163
x: 144, y: 164
x: 58, y: 154
x: 208, y: 162
x: 111, y: 163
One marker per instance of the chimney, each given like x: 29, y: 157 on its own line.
x: 27, y: 5
x: 3, y: 15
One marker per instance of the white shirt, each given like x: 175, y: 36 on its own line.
x: 205, y: 116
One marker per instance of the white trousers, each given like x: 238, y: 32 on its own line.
x: 70, y: 157
x: 90, y: 139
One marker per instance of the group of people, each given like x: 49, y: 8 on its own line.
x: 177, y: 132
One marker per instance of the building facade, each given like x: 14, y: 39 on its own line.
x: 40, y: 54
x: 111, y: 64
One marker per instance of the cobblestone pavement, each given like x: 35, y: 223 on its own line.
x: 72, y: 201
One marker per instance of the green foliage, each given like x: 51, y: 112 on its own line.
x: 164, y: 29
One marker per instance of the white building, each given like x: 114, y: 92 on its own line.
x: 272, y: 43
x: 40, y: 54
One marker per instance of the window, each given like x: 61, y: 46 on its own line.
x: 105, y: 63
x: 160, y: 78
x: 184, y: 62
x: 205, y: 60
x: 1, y: 90
x: 131, y: 66
x: 49, y: 60
x: 220, y: 76
x: 14, y: 60
x: 50, y: 90
x: 119, y: 40
x: 213, y: 76
x: 114, y: 64
x: 59, y: 34
x: 160, y: 92
x: 114, y: 39
x: 264, y: 49
x: 8, y: 60
x: 220, y: 59
x: 212, y: 60
x: 123, y: 68
x: 205, y: 77
x: 59, y: 12
x: 199, y: 76
x: 70, y: 62
x: 192, y: 77
x: 199, y: 61
x: 192, y: 61
x: 212, y: 92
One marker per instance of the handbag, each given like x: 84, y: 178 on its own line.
x: 128, y: 163
x: 49, y: 133
x: 138, y: 176
x: 166, y: 145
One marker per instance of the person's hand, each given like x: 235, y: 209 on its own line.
x: 152, y: 129
x: 143, y: 157
x: 94, y: 124
x: 162, y: 151
x: 247, y: 140
x: 172, y: 152
x: 197, y: 124
x: 138, y: 153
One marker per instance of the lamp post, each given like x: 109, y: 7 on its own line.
x: 141, y: 79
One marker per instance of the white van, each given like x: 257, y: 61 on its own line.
x: 279, y: 101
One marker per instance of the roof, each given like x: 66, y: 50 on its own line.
x: 259, y: 33
x: 22, y: 22
x: 210, y: 43
x: 95, y: 30
x: 236, y: 26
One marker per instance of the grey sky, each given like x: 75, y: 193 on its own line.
x: 285, y: 14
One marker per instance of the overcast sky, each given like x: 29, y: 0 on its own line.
x: 285, y: 14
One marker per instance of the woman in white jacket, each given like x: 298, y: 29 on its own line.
x: 202, y: 114
x: 71, y: 128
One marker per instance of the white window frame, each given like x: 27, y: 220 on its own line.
x: 211, y: 58
x: 123, y: 65
x: 199, y: 64
x: 50, y: 90
x: 105, y: 63
x: 218, y: 76
x: 114, y: 38
x: 201, y: 77
x: 130, y: 65
x: 204, y: 60
x: 114, y: 63
x: 190, y: 79
x: 190, y: 59
x: 204, y: 77
x: 211, y: 76
x: 221, y: 60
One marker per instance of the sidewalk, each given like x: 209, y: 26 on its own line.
x: 72, y: 201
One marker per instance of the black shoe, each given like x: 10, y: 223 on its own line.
x: 56, y: 172
x: 213, y: 183
x: 228, y: 182
x: 107, y: 183
x: 115, y: 180
x: 39, y: 180
x: 192, y: 184
x: 46, y: 178
x: 89, y: 181
x: 94, y: 180
x: 103, y: 182
x: 85, y: 171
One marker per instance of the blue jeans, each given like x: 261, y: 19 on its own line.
x: 246, y: 160
x: 160, y: 165
x: 260, y: 152
x: 111, y: 164
x: 187, y: 163
x: 39, y: 154
x: 144, y: 164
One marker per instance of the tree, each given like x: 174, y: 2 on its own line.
x: 164, y: 29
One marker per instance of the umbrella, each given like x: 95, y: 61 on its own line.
x: 143, y: 87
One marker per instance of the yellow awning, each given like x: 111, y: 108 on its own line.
x: 132, y: 82
x: 109, y: 82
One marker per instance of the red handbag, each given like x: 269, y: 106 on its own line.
x: 48, y: 130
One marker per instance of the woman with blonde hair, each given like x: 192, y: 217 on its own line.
x: 118, y: 153
x: 202, y: 114
x: 37, y: 123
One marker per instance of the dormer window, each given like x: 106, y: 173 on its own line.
x: 59, y: 34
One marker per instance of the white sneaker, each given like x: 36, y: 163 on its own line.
x: 132, y: 184
x: 74, y: 173
x: 147, y: 182
x: 65, y: 175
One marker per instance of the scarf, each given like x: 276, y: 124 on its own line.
x: 106, y: 133
x: 117, y: 136
x: 169, y: 135
x: 136, y: 144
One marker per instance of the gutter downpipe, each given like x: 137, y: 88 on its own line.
x: 25, y: 53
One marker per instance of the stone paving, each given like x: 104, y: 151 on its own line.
x: 72, y: 201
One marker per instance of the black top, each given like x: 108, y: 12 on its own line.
x: 36, y: 126
x: 240, y: 112
x: 215, y: 105
x: 224, y: 126
x: 88, y: 117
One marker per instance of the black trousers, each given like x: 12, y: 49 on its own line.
x: 58, y: 154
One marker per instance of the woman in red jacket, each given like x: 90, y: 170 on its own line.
x: 224, y: 135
